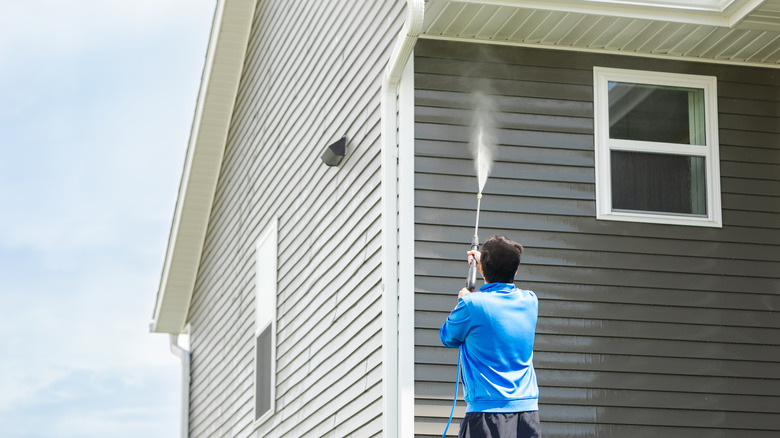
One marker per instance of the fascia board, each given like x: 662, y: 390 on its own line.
x: 213, y: 111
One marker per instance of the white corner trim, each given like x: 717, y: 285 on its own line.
x: 406, y: 250
x: 402, y: 51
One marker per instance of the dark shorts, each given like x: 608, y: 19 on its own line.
x: 501, y: 425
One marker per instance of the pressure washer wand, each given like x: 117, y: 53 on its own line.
x: 471, y: 279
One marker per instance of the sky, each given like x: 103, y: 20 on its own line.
x: 96, y: 104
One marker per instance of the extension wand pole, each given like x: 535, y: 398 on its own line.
x: 471, y: 279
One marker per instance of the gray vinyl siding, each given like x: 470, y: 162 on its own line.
x: 312, y: 74
x: 645, y: 330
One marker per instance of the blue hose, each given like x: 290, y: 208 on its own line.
x: 455, y: 399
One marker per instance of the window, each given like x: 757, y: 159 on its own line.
x: 265, y: 324
x: 656, y: 147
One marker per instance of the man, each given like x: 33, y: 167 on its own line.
x: 494, y: 328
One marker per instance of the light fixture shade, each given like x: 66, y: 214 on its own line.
x: 334, y: 153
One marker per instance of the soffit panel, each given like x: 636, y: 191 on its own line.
x: 755, y: 40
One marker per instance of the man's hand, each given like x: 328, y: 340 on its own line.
x: 472, y: 256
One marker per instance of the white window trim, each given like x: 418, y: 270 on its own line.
x: 269, y: 236
x: 603, y: 145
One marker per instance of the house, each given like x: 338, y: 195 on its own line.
x: 638, y: 160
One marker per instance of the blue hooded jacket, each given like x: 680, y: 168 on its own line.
x: 494, y: 328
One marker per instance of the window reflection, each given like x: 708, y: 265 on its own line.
x: 656, y: 113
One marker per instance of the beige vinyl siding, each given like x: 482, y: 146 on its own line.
x: 644, y: 329
x: 312, y: 74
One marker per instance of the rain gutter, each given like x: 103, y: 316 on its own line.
x: 183, y: 355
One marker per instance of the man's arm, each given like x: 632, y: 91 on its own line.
x: 458, y: 323
x: 454, y: 330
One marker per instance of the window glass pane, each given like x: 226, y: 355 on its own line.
x: 656, y: 113
x: 263, y: 384
x: 658, y: 183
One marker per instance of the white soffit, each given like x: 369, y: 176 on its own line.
x: 213, y: 111
x: 736, y: 31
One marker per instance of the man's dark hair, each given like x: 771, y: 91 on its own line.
x: 500, y: 258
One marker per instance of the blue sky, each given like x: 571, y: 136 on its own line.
x: 96, y: 104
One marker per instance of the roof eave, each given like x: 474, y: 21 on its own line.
x: 216, y: 98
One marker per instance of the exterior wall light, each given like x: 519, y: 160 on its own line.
x: 334, y: 153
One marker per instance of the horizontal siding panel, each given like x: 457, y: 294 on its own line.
x: 763, y: 188
x: 531, y: 122
x: 557, y: 428
x: 620, y: 325
x: 672, y: 417
x: 658, y: 330
x: 752, y: 219
x: 436, y: 248
x: 741, y: 90
x: 769, y: 140
x: 640, y: 262
x: 625, y: 381
x: 632, y: 312
x: 761, y: 171
x: 525, y: 105
x: 482, y: 70
x: 659, y: 399
x: 745, y: 107
x: 545, y: 358
x: 594, y: 346
x: 449, y: 133
x: 505, y: 174
x: 579, y: 292
x: 507, y: 87
x: 512, y: 154
x: 688, y: 417
x: 528, y: 187
x: 612, y: 277
x: 440, y: 394
x: 497, y: 222
x: 739, y: 122
x: 765, y: 204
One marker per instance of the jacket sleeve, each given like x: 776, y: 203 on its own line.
x: 454, y: 330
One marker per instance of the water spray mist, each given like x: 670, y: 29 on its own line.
x: 482, y: 148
